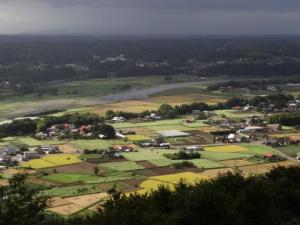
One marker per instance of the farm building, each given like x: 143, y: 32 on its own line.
x: 172, y: 133
x: 118, y: 119
x: 31, y: 155
x: 9, y: 150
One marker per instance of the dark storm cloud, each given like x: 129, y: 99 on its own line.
x: 150, y: 16
x: 267, y: 5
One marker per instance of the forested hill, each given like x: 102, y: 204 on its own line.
x: 44, y: 59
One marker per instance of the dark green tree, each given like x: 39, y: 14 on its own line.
x: 167, y: 111
x: 20, y: 204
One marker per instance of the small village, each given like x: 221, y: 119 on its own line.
x: 253, y: 128
x: 132, y: 151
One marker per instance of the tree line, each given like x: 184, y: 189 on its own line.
x: 286, y: 119
x: 167, y: 111
x: 29, y: 127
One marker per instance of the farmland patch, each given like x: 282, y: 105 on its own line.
x: 52, y: 161
x: 226, y: 148
x: 123, y: 166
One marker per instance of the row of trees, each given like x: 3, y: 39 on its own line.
x: 29, y: 127
x: 76, y: 118
x: 286, y: 119
x: 183, y: 155
x: 253, y: 84
x: 167, y: 111
x: 18, y: 128
x: 229, y: 199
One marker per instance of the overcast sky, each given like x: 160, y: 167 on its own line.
x: 165, y: 17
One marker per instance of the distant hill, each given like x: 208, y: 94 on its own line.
x: 51, y: 58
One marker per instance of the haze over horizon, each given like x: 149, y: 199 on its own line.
x: 145, y: 17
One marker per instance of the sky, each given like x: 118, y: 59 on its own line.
x: 150, y: 17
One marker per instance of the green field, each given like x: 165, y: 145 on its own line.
x: 198, y: 123
x: 175, y: 124
x: 162, y: 161
x: 96, y: 143
x: 113, y: 176
x: 169, y: 127
x: 205, y: 163
x: 68, y: 177
x: 147, y: 124
x: 290, y: 150
x: 31, y: 142
x: 218, y: 156
x: 200, y: 163
x: 72, y: 191
x: 147, y: 154
x: 123, y: 166
x: 236, y: 114
x: 257, y: 149
x: 90, y: 156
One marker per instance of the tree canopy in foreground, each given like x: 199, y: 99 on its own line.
x: 270, y: 199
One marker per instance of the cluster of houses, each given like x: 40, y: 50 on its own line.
x: 253, y: 128
x: 124, y: 148
x: 66, y: 130
x: 150, y: 117
x: 156, y: 142
x: 291, y: 106
x: 11, y: 155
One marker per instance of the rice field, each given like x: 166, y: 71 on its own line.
x: 206, y: 164
x: 123, y: 166
x: 219, y: 156
x: 52, y: 161
x: 263, y: 168
x: 151, y: 184
x: 72, y: 191
x: 73, y: 205
x: 154, y: 182
x: 111, y: 177
x: 236, y: 114
x: 137, y: 137
x: 189, y: 177
x: 31, y: 142
x: 147, y: 124
x: 196, y: 124
x: 291, y: 150
x: 126, y: 106
x: 147, y: 154
x: 96, y: 143
x: 226, y: 148
x: 65, y: 178
x: 257, y: 148
x: 161, y: 161
x: 186, y: 96
x: 178, y: 127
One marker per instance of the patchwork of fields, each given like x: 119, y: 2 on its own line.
x: 78, y: 182
x: 76, y: 187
